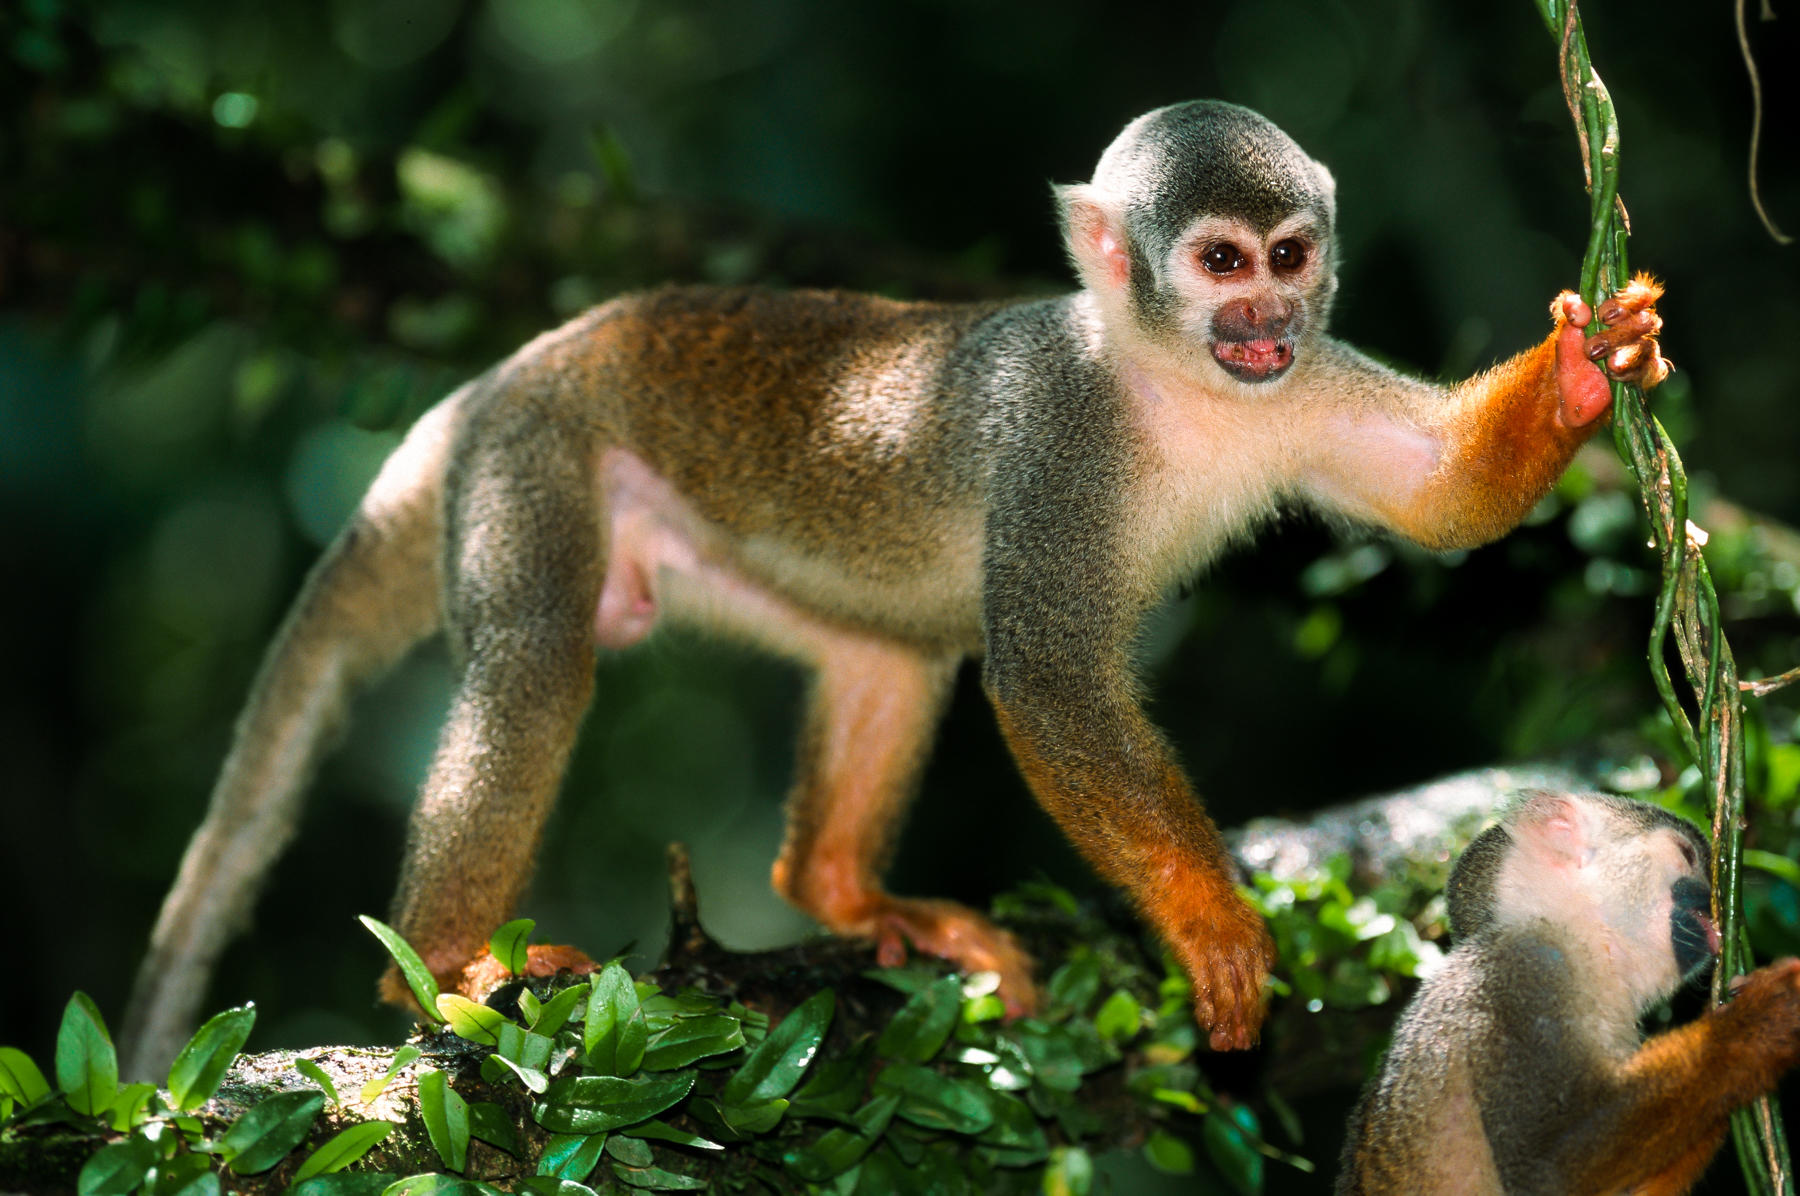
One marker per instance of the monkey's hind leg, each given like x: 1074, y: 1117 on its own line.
x: 870, y: 717
x: 372, y: 596
x: 523, y: 579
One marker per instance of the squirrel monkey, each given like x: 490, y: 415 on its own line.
x: 1519, y: 1067
x: 881, y: 490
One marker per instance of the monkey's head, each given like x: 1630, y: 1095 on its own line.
x: 1627, y: 877
x: 1207, y: 233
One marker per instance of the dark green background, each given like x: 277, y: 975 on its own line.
x: 215, y: 312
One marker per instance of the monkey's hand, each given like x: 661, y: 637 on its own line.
x: 1224, y: 947
x: 483, y: 974
x: 1626, y: 349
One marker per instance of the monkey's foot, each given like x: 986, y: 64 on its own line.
x: 483, y: 974
x: 960, y: 935
x: 1223, y: 946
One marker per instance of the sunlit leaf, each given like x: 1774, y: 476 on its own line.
x: 613, y: 1032
x: 87, y: 1067
x: 446, y: 1117
x: 264, y: 1134
x: 418, y: 976
x: 130, y: 1106
x: 776, y: 1064
x: 316, y: 1074
x: 186, y: 1175
x: 511, y: 945
x: 1169, y: 1154
x: 403, y: 1058
x: 201, y: 1065
x: 20, y: 1077
x: 1070, y: 1172
x: 470, y: 1019
x: 343, y: 1149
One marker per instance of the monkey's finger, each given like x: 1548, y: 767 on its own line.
x: 1570, y: 308
x: 1629, y: 328
x: 1640, y: 294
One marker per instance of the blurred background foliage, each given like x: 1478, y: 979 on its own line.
x: 241, y: 247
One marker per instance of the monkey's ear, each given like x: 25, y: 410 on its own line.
x: 1556, y: 828
x: 1095, y: 236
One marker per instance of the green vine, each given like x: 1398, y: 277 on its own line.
x: 1687, y: 604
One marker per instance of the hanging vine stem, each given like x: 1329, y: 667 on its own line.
x: 1687, y: 604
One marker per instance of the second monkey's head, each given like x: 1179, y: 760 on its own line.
x: 1206, y: 235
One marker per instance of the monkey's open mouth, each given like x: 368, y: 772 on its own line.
x: 1254, y: 361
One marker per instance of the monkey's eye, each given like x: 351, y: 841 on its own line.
x: 1222, y: 258
x: 1288, y: 255
x: 1687, y: 853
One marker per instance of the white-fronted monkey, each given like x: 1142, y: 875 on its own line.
x: 881, y: 490
x: 1519, y: 1067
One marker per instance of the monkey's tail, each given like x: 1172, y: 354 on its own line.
x: 372, y: 596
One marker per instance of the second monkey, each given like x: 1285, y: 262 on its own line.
x: 881, y: 490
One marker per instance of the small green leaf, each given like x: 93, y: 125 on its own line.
x: 87, y: 1067
x: 757, y: 1118
x: 1075, y: 984
x: 186, y: 1175
x: 692, y: 1038
x: 418, y: 976
x: 614, y: 1032
x: 840, y: 1148
x: 403, y: 1058
x: 117, y: 1168
x: 130, y: 1107
x: 937, y: 1102
x: 511, y: 945
x: 1169, y: 1154
x: 446, y: 1117
x: 1121, y: 1017
x: 591, y: 1104
x: 316, y: 1074
x: 534, y: 1080
x: 530, y: 1006
x: 571, y: 1156
x: 662, y: 1131
x: 657, y: 1179
x: 265, y: 1133
x: 556, y: 1011
x: 197, y: 1070
x: 630, y: 1151
x: 923, y: 1024
x: 471, y: 1019
x: 20, y: 1077
x: 1230, y: 1138
x: 490, y: 1123
x: 1070, y: 1172
x: 343, y: 1149
x: 776, y: 1064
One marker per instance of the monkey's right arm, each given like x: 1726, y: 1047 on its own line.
x: 1646, y: 1124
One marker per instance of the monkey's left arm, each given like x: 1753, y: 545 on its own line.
x: 1457, y: 468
